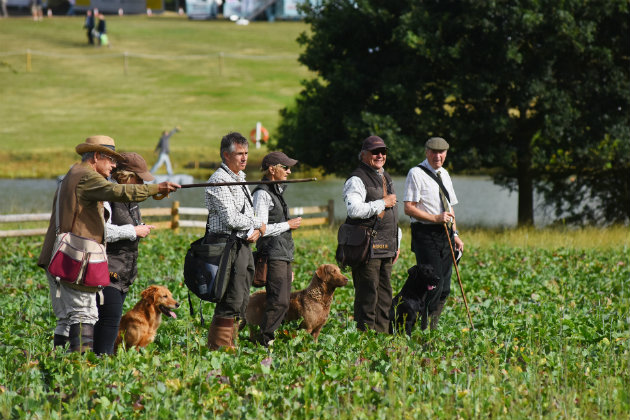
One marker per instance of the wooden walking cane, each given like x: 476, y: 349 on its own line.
x: 224, y: 184
x: 261, y: 182
x: 459, y: 279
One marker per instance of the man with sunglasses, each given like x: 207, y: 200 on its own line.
x: 429, y: 206
x: 371, y: 202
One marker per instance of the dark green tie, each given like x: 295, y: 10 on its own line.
x: 445, y: 203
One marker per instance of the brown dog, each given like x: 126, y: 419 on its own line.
x: 139, y: 325
x: 312, y: 304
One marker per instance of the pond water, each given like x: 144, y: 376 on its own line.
x: 481, y: 202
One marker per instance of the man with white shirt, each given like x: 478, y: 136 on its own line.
x: 371, y: 201
x: 430, y: 208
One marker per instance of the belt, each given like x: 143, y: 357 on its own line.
x: 220, y: 237
x: 428, y: 227
x: 214, y: 236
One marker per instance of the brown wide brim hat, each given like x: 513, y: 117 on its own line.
x: 136, y: 164
x: 101, y: 144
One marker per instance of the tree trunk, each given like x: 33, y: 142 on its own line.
x: 525, y: 182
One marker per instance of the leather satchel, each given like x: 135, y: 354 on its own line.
x: 79, y: 261
x: 260, y: 271
x: 353, y: 245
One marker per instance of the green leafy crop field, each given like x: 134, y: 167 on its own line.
x: 551, y: 341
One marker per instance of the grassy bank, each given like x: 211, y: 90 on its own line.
x: 207, y: 77
x: 551, y: 341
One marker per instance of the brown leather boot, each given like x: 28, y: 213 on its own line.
x: 435, y: 315
x: 220, y: 333
x: 81, y: 337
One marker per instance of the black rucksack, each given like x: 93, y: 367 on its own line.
x: 208, y: 268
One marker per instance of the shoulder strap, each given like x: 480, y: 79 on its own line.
x: 438, y: 180
x: 245, y: 191
x: 57, y: 210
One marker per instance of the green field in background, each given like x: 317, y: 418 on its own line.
x: 209, y: 77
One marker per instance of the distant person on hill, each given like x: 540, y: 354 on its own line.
x: 71, y: 4
x: 4, y: 8
x: 89, y: 26
x: 164, y: 147
x: 101, y: 28
x: 36, y: 10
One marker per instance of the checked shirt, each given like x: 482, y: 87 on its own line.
x: 230, y: 207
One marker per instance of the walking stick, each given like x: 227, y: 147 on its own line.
x: 224, y: 184
x: 459, y: 279
x: 266, y: 182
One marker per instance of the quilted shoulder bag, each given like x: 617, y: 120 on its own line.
x: 80, y: 262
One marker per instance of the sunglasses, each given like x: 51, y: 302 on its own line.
x: 379, y: 152
x: 111, y: 158
x: 279, y: 165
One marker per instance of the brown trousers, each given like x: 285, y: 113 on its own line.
x: 278, y: 290
x: 373, y: 294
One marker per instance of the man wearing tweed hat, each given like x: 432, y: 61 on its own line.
x: 429, y: 200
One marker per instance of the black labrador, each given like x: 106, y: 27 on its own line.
x: 407, y: 304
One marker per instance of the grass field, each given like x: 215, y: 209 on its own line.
x: 207, y: 77
x: 551, y: 341
x: 551, y: 307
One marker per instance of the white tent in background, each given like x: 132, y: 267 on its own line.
x: 129, y: 7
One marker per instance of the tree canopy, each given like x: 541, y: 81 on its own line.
x: 534, y: 92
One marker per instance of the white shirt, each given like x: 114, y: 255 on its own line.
x: 262, y: 204
x: 425, y: 192
x: 115, y: 233
x: 354, y: 194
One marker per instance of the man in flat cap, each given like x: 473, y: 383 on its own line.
x: 80, y: 211
x: 371, y: 202
x: 277, y: 242
x: 429, y: 197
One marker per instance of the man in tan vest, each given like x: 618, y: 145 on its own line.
x: 81, y: 196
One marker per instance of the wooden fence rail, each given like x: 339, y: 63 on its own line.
x: 195, y: 217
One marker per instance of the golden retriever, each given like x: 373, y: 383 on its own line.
x: 139, y: 325
x: 311, y: 304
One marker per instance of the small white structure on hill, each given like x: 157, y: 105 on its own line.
x: 128, y: 6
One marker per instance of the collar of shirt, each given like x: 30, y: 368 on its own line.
x: 427, y: 165
x: 240, y: 177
